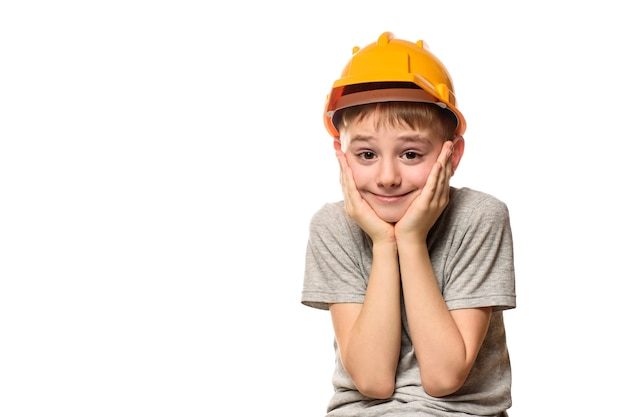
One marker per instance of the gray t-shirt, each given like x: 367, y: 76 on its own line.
x: 471, y: 250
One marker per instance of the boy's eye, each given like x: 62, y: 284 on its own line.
x: 367, y: 155
x: 411, y: 155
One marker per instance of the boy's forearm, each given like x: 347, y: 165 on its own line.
x: 374, y: 346
x: 438, y: 344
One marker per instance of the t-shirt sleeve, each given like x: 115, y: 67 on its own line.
x: 334, y: 272
x: 481, y: 270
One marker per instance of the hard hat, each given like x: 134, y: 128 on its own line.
x: 383, y: 70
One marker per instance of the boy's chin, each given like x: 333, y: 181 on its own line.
x: 390, y: 215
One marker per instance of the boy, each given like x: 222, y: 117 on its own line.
x: 416, y: 274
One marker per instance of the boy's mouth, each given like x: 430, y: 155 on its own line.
x: 389, y: 199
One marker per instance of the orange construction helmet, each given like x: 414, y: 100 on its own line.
x: 391, y: 70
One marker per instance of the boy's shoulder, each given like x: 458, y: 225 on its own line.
x: 469, y: 196
x: 331, y: 217
x: 334, y: 209
x: 330, y: 213
x: 469, y: 203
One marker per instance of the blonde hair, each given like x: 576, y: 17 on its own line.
x: 426, y: 116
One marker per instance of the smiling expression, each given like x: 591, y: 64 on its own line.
x: 390, y: 163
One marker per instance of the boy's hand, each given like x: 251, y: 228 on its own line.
x: 431, y: 200
x: 357, y: 208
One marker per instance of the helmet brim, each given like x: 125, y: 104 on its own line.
x: 382, y: 96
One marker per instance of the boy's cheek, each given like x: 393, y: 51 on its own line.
x: 358, y: 175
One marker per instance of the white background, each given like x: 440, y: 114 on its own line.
x: 160, y: 161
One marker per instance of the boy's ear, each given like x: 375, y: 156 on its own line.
x: 337, y: 144
x: 457, y: 153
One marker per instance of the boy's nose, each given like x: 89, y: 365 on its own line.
x: 388, y: 174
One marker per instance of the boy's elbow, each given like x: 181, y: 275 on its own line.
x: 440, y: 387
x: 377, y: 389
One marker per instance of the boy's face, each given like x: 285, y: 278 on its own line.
x: 390, y: 165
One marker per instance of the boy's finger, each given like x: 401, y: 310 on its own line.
x: 446, y: 152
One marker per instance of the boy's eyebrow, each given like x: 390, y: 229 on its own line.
x: 414, y: 138
x: 408, y: 138
x: 360, y: 138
